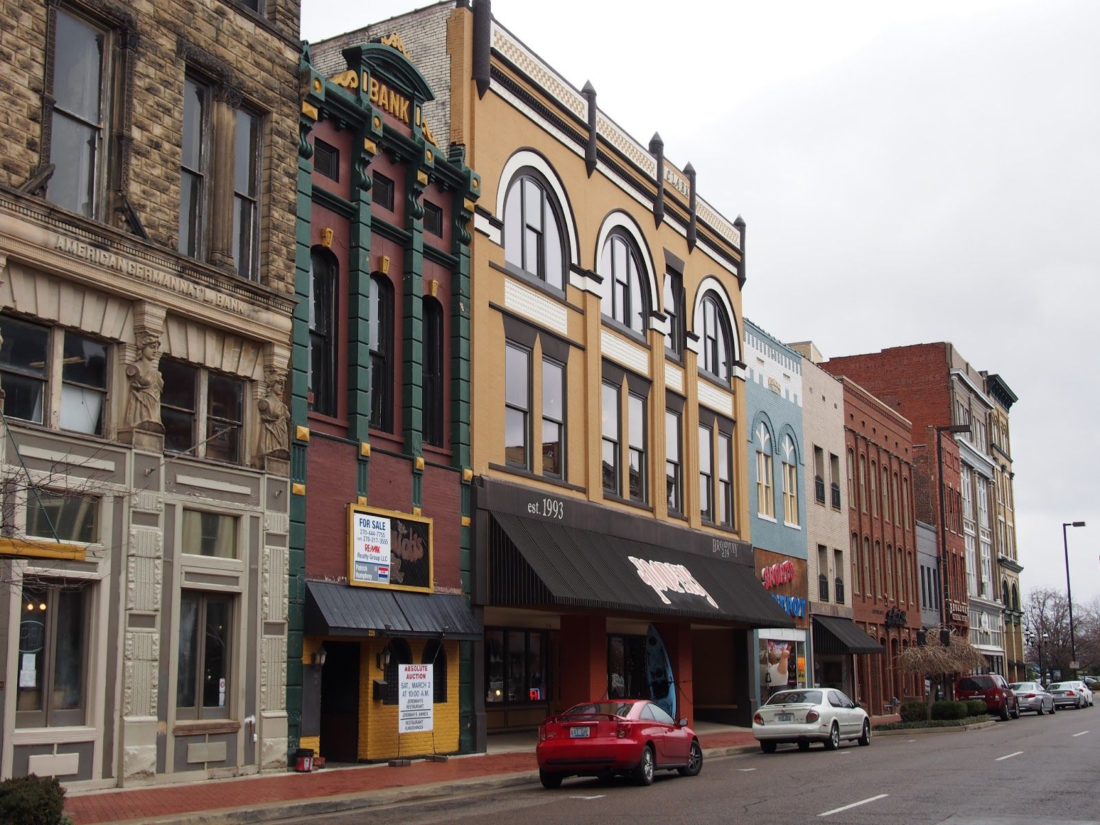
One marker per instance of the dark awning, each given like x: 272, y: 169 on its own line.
x: 833, y: 634
x: 535, y: 562
x: 340, y: 610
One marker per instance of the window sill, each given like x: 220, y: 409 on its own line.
x: 725, y: 528
x: 62, y: 734
x: 763, y: 517
x: 716, y: 380
x: 522, y: 473
x: 439, y: 451
x: 629, y: 502
x: 203, y: 727
x: 792, y: 526
x: 621, y: 328
x: 530, y: 280
x: 329, y: 420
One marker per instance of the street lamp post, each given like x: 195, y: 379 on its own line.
x: 1069, y: 596
x: 944, y: 588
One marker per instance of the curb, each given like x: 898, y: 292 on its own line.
x: 926, y: 731
x: 347, y: 803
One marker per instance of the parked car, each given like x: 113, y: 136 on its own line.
x: 1091, y: 682
x: 812, y: 715
x: 998, y: 696
x: 1086, y: 692
x: 1033, y: 697
x: 626, y: 736
x: 1068, y: 694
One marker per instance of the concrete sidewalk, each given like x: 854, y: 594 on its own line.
x: 273, y: 797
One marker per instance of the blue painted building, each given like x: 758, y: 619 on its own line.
x: 777, y: 506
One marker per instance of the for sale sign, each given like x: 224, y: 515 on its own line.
x: 370, y: 548
x: 414, y: 698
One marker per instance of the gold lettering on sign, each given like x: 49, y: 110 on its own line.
x: 394, y: 41
x: 388, y: 99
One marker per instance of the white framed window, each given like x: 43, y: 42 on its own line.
x: 532, y: 230
x: 53, y: 376
x: 790, y: 482
x: 765, y: 496
x: 623, y: 298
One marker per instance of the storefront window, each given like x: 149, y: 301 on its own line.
x: 782, y: 665
x: 626, y: 668
x: 516, y: 667
x: 52, y: 660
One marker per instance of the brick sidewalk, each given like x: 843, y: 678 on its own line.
x: 271, y: 790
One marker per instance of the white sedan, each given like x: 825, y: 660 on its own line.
x: 810, y: 715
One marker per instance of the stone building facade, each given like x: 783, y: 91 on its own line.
x: 146, y: 279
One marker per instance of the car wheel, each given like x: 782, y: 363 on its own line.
x: 803, y: 746
x: 695, y: 760
x: 1040, y: 710
x: 1016, y: 711
x: 833, y: 742
x: 1004, y: 712
x: 550, y: 781
x: 1053, y: 708
x: 643, y: 774
x: 768, y: 747
x: 865, y: 739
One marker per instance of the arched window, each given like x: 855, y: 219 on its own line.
x: 874, y: 489
x: 532, y: 230
x: 1015, y: 597
x: 623, y: 298
x: 790, y: 481
x: 765, y: 498
x: 890, y: 585
x: 863, y: 482
x: 715, y: 339
x: 381, y: 354
x: 323, y: 300
x: 885, y: 493
x: 868, y: 580
x: 434, y: 396
x: 880, y: 569
x: 436, y: 656
x: 856, y: 578
x: 395, y: 653
x: 1004, y: 593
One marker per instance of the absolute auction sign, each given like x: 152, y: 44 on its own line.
x: 414, y: 698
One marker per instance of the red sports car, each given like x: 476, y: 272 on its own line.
x: 626, y: 736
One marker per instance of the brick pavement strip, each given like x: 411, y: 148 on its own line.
x: 275, y: 797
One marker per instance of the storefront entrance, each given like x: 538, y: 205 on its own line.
x: 626, y: 667
x: 340, y: 702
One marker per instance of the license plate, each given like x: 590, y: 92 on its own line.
x: 579, y: 733
x: 785, y: 717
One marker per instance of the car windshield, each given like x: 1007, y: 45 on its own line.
x: 614, y: 708
x: 795, y: 697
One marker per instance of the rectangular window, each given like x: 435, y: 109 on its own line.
x: 178, y: 405
x: 636, y: 424
x: 819, y: 475
x: 517, y: 406
x: 193, y: 163
x: 851, y: 482
x: 433, y: 219
x: 24, y: 358
x: 857, y: 587
x: 52, y: 667
x: 822, y: 573
x: 673, y: 484
x: 863, y: 483
x: 517, y: 667
x: 246, y: 195
x: 706, y: 474
x: 553, y: 418
x: 55, y: 516
x: 838, y: 569
x: 673, y: 292
x: 326, y: 160
x: 79, y: 120
x: 203, y: 675
x: 382, y: 191
x: 874, y: 490
x: 224, y: 417
x: 790, y: 494
x: 765, y: 493
x: 834, y: 479
x: 724, y: 497
x: 209, y: 534
x: 83, y: 384
x: 611, y: 437
x: 321, y: 365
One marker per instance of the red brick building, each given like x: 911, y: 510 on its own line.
x: 885, y: 586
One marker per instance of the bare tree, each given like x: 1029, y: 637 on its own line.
x: 1046, y: 617
x: 934, y: 659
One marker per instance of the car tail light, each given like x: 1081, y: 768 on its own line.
x: 1029, y: 695
x: 622, y: 730
x: 813, y: 716
x: 1070, y: 693
x: 758, y: 719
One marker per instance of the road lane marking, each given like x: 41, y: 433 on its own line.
x: 910, y: 740
x: 1082, y: 733
x: 855, y: 804
x: 1002, y: 758
x: 589, y: 798
x: 746, y: 770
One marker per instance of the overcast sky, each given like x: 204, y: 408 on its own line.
x: 908, y: 173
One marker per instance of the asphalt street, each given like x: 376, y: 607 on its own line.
x: 1031, y: 771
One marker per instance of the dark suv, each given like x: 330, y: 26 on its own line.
x: 998, y: 696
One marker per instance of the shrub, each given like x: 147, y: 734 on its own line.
x: 32, y: 800
x: 914, y: 712
x: 975, y: 707
x: 949, y: 710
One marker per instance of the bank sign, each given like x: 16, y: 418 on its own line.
x: 388, y: 549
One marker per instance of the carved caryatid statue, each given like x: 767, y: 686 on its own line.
x: 274, y: 418
x: 146, y: 385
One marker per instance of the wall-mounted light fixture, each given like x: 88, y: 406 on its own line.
x: 319, y: 656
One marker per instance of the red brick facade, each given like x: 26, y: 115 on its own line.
x: 885, y: 584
